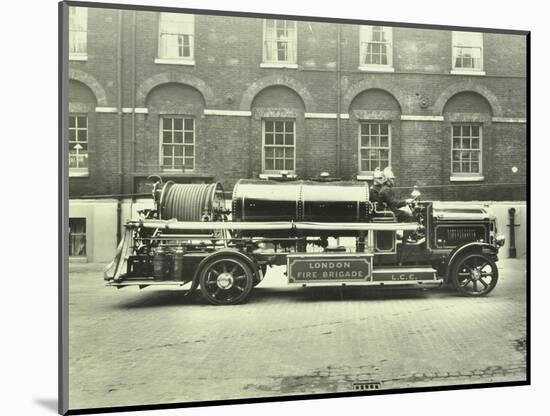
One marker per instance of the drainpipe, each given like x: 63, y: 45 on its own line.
x: 120, y: 127
x: 512, y: 224
x: 338, y: 99
x: 134, y: 76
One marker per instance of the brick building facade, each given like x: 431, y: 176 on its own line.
x: 204, y: 98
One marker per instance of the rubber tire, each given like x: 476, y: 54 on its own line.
x: 455, y: 278
x: 249, y: 284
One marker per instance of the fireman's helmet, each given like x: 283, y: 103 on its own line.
x: 388, y: 173
x: 378, y: 176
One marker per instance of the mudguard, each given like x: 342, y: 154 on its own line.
x: 221, y: 253
x: 467, y: 248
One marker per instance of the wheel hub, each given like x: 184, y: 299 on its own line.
x: 225, y: 281
x: 476, y: 274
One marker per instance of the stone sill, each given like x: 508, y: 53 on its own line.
x: 168, y: 61
x: 278, y: 65
x: 365, y: 177
x: 477, y: 178
x: 376, y: 68
x: 276, y: 175
x: 466, y: 72
x: 78, y: 57
x: 84, y: 173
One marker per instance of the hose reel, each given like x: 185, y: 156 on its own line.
x: 191, y: 202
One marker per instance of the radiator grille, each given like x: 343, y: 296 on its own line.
x: 453, y: 236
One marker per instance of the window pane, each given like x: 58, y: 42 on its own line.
x: 279, y: 139
x: 269, y: 165
x: 289, y: 126
x: 384, y: 141
x: 475, y: 131
x: 466, y: 143
x: 289, y: 164
x: 189, y: 151
x: 178, y: 162
x: 167, y: 162
x: 279, y: 164
x: 72, y: 135
x: 189, y: 163
x: 456, y: 131
x: 269, y: 153
x: 465, y: 167
x: 475, y: 143
x: 456, y: 155
x: 289, y: 152
x: 475, y: 167
x: 466, y: 130
x: 168, y: 150
x: 289, y: 139
x: 475, y: 156
x: 178, y: 137
x: 383, y: 129
x: 456, y: 142
x: 189, y: 124
x: 269, y: 126
x: 167, y: 123
x: 456, y: 167
x: 166, y: 137
x: 279, y: 152
x: 269, y: 138
x: 72, y: 121
x: 188, y: 137
x: 279, y: 126
x: 82, y: 122
x: 178, y: 151
x: 178, y: 124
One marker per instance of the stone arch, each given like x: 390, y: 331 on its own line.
x: 168, y: 77
x: 371, y: 84
x: 376, y: 100
x: 273, y: 80
x: 91, y: 83
x: 468, y: 86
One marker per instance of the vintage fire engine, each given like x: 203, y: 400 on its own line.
x: 192, y: 238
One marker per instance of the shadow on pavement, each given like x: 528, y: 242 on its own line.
x: 163, y: 298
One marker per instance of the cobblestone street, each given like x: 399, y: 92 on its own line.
x: 156, y: 346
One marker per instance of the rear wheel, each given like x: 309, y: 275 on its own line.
x: 226, y: 281
x: 474, y: 274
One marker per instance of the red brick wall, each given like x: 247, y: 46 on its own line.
x: 227, y: 75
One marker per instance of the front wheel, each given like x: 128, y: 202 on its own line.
x: 226, y: 281
x: 474, y: 274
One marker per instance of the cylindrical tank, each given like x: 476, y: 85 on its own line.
x: 261, y: 200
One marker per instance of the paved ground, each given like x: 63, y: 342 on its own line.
x: 155, y: 346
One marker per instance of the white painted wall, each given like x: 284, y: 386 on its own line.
x: 101, y: 223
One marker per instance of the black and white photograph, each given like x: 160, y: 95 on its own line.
x: 278, y: 207
x: 291, y: 207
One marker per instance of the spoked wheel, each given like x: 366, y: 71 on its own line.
x: 226, y: 281
x: 474, y: 274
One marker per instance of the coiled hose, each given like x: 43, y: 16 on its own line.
x: 189, y: 202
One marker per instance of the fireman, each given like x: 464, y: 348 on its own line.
x: 377, y: 183
x: 387, y: 196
